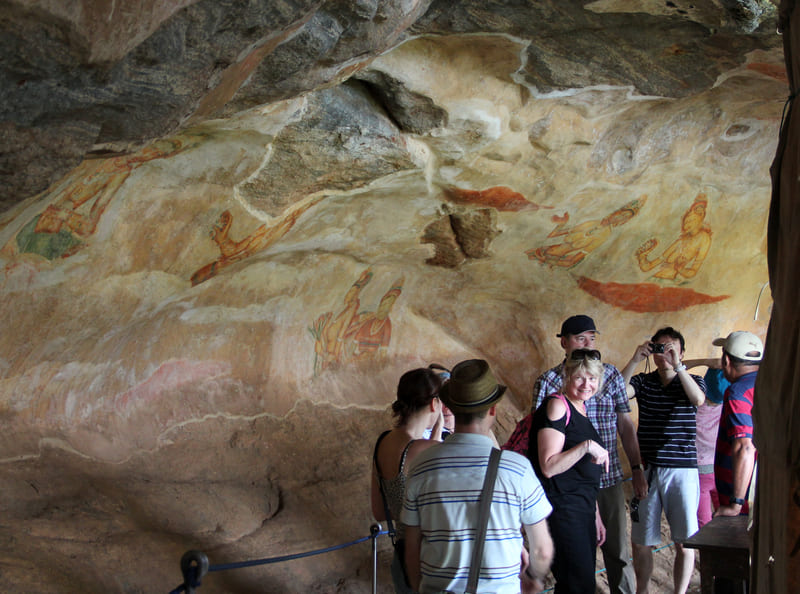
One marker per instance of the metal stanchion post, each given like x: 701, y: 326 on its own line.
x: 374, y: 530
x: 194, y: 566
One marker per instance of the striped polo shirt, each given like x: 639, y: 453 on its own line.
x: 736, y: 423
x: 442, y: 498
x: 667, y: 424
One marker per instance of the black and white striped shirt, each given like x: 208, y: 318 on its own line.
x: 667, y: 425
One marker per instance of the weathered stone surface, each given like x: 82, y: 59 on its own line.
x: 122, y: 77
x: 571, y: 44
x: 202, y: 334
x: 195, y: 59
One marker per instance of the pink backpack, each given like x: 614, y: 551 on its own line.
x: 519, y: 440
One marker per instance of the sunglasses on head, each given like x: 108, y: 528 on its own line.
x: 581, y: 354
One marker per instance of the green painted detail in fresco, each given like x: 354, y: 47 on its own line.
x: 48, y: 245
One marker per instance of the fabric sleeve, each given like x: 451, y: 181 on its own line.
x: 546, y: 384
x: 535, y: 505
x: 636, y: 383
x: 740, y: 418
x: 700, y: 382
x: 716, y: 384
x: 559, y: 425
x: 410, y: 514
x: 615, y: 387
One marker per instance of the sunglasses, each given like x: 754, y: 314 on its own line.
x: 581, y: 354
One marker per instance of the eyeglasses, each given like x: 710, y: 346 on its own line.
x: 581, y: 354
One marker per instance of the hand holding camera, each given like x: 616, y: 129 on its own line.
x: 666, y: 350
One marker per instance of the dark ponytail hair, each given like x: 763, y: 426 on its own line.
x: 415, y: 391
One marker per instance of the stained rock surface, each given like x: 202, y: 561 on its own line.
x: 229, y: 227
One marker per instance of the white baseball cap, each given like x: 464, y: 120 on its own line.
x: 742, y: 345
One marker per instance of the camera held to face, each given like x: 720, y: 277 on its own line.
x: 657, y: 347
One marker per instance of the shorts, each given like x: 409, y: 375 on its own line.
x: 676, y: 491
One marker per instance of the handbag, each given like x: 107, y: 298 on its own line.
x: 487, y: 493
x: 519, y: 440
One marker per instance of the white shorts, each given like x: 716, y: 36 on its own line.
x: 676, y: 491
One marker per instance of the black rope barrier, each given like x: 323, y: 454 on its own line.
x: 194, y: 564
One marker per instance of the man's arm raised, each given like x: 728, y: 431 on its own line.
x: 640, y: 354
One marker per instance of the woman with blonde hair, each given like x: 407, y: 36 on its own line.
x: 568, y: 459
x: 416, y: 411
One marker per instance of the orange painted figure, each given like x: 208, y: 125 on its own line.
x: 329, y: 331
x: 233, y: 251
x: 82, y: 197
x: 581, y: 240
x: 352, y: 334
x: 370, y: 332
x: 685, y: 256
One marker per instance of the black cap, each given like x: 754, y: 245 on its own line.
x: 577, y: 325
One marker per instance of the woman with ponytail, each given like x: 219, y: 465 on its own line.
x: 416, y: 411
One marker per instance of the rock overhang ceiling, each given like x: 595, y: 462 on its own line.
x: 96, y: 78
x: 287, y: 204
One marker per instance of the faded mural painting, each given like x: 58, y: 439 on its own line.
x: 581, y: 240
x: 232, y: 251
x: 678, y: 263
x: 353, y: 335
x: 685, y: 256
x: 81, y: 198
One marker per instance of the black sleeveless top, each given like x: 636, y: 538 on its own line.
x: 576, y: 488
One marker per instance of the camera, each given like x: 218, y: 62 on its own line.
x: 657, y: 347
x: 635, y: 509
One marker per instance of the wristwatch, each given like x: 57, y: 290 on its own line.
x: 680, y: 367
x: 737, y: 500
x: 637, y: 467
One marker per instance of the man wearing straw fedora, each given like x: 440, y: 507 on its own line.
x: 444, y: 490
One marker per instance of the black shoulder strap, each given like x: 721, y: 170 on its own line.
x: 404, y: 456
x: 375, y: 451
x: 387, y: 513
x: 487, y: 493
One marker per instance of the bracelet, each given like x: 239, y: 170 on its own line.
x: 737, y: 500
x: 681, y: 367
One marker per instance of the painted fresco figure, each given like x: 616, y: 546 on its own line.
x: 232, y: 251
x: 334, y: 333
x: 81, y: 199
x: 353, y: 335
x: 371, y: 332
x: 581, y: 240
x: 685, y: 256
x: 329, y: 331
